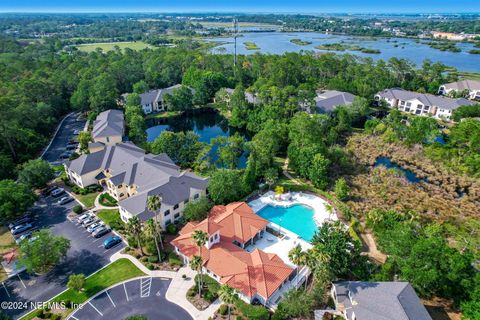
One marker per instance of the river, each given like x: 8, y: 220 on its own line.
x: 279, y: 43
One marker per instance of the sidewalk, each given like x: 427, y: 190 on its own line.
x: 98, y: 206
x: 177, y: 291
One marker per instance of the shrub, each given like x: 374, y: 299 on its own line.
x: 143, y: 259
x: 191, y: 292
x: 153, y: 259
x: 150, y: 266
x: 77, y: 209
x: 171, y: 228
x: 209, y: 296
x: 223, y: 309
x: 55, y: 316
x: 174, y: 259
x: 252, y: 312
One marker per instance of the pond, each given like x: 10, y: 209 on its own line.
x: 279, y: 43
x: 388, y: 163
x: 207, y: 123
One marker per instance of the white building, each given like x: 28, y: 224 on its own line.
x: 471, y: 88
x: 421, y: 103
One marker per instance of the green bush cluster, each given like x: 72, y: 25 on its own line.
x: 172, y: 228
x: 77, y: 209
x: 107, y: 200
x: 174, y: 259
x: 250, y: 311
x: 87, y: 190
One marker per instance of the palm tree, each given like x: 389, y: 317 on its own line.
x: 297, y: 256
x: 329, y: 209
x: 134, y: 228
x: 228, y: 295
x: 196, y: 264
x: 316, y: 261
x: 151, y: 227
x: 154, y: 203
x: 200, y: 237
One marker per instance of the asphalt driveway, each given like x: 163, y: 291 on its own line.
x: 60, y: 141
x: 86, y: 255
x: 145, y: 296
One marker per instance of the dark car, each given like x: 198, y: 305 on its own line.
x: 71, y: 147
x: 23, y: 220
x: 47, y: 190
x: 112, y: 241
x: 100, y: 232
x: 66, y: 155
x: 21, y: 228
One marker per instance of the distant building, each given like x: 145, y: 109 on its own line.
x: 471, y: 87
x: 421, y: 103
x: 153, y: 100
x: 108, y: 128
x: 358, y: 300
x: 452, y: 36
x: 326, y: 101
x: 250, y: 97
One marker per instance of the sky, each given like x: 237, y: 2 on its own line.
x: 286, y: 6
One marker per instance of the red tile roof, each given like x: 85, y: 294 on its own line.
x: 250, y: 272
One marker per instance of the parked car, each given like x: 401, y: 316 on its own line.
x: 84, y: 217
x: 57, y: 192
x: 112, y: 241
x: 23, y: 237
x: 48, y: 190
x: 21, y: 228
x: 94, y: 226
x: 71, y: 147
x: 89, y: 221
x: 100, y: 232
x: 66, y: 155
x: 73, y: 140
x: 65, y: 200
x: 20, y: 221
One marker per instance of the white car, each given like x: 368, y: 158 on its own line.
x: 89, y: 221
x: 83, y: 217
x: 94, y: 226
x: 55, y: 193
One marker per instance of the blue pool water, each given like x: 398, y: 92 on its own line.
x: 297, y: 219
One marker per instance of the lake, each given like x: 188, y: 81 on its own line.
x: 388, y: 163
x: 279, y: 43
x: 207, y: 123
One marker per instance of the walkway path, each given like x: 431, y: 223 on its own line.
x: 177, y: 292
x: 98, y: 206
x: 372, y: 250
x: 287, y: 174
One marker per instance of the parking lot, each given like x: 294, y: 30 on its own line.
x: 145, y: 296
x: 64, y: 134
x: 86, y: 255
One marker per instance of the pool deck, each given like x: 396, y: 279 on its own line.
x: 289, y: 199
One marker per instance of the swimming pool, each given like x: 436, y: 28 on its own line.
x: 297, y: 218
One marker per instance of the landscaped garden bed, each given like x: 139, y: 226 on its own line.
x: 209, y: 292
x: 111, y: 217
x: 107, y: 200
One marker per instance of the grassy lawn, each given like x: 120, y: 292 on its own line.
x: 118, y: 271
x: 161, y: 115
x: 109, y: 46
x: 6, y: 244
x: 110, y: 217
x: 88, y: 199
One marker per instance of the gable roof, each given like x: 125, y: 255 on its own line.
x: 425, y: 98
x: 255, y: 272
x: 471, y: 85
x: 380, y: 300
x: 157, y: 95
x: 328, y: 100
x: 108, y: 123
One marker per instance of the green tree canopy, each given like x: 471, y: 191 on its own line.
x: 15, y: 199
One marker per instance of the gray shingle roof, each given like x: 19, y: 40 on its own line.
x: 425, y: 98
x: 470, y: 85
x: 328, y: 100
x: 108, y: 123
x: 380, y: 300
x: 157, y: 95
x: 151, y: 174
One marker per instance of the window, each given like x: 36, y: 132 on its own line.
x: 407, y: 109
x: 166, y: 213
x: 176, y: 215
x: 409, y: 104
x: 121, y: 195
x: 216, y: 236
x: 196, y: 196
x: 426, y: 107
x: 420, y: 106
x: 402, y: 102
x: 211, y: 239
x: 175, y: 207
x: 418, y: 111
x: 168, y: 221
x: 108, y: 139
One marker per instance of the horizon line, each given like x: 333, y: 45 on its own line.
x: 144, y: 11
